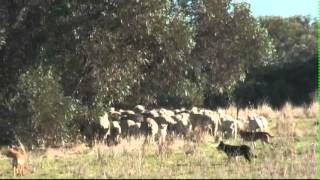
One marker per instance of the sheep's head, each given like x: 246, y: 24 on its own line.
x: 164, y: 126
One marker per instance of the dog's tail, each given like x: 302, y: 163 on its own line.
x: 268, y: 134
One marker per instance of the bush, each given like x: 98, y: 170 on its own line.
x: 48, y: 113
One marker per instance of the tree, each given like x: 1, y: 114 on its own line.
x: 167, y: 41
x: 293, y: 75
x: 293, y: 37
x: 229, y: 42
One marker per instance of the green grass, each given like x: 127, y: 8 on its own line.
x: 289, y: 157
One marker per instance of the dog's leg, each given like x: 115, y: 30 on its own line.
x: 148, y: 139
x: 210, y: 131
x: 247, y: 157
x: 19, y: 170
x: 267, y: 140
x: 236, y: 159
x: 16, y: 170
x: 22, y: 170
x: 229, y: 158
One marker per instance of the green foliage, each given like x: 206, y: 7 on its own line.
x: 51, y: 113
x: 229, y: 41
x: 294, y: 37
x: 182, y: 94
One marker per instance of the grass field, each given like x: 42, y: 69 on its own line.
x: 292, y: 155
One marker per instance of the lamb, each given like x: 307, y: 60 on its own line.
x: 162, y: 133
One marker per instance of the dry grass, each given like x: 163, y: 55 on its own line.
x: 292, y: 155
x: 288, y: 111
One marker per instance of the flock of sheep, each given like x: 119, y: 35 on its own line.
x: 157, y: 125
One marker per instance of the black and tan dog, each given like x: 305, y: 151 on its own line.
x: 233, y: 151
x: 254, y: 136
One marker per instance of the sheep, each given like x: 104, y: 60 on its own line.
x: 149, y: 128
x: 240, y: 124
x: 194, y: 110
x: 183, y: 125
x: 162, y: 133
x: 201, y: 121
x: 105, y: 124
x: 92, y: 130
x: 163, y: 118
x: 104, y: 121
x: 115, y: 132
x: 180, y: 129
x: 168, y: 120
x: 125, y: 115
x: 228, y: 128
x: 183, y: 117
x: 130, y: 128
x: 126, y: 112
x: 178, y: 111
x: 151, y: 114
x: 215, y: 119
x: 166, y: 112
x: 139, y: 109
x: 114, y: 115
x: 257, y: 123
